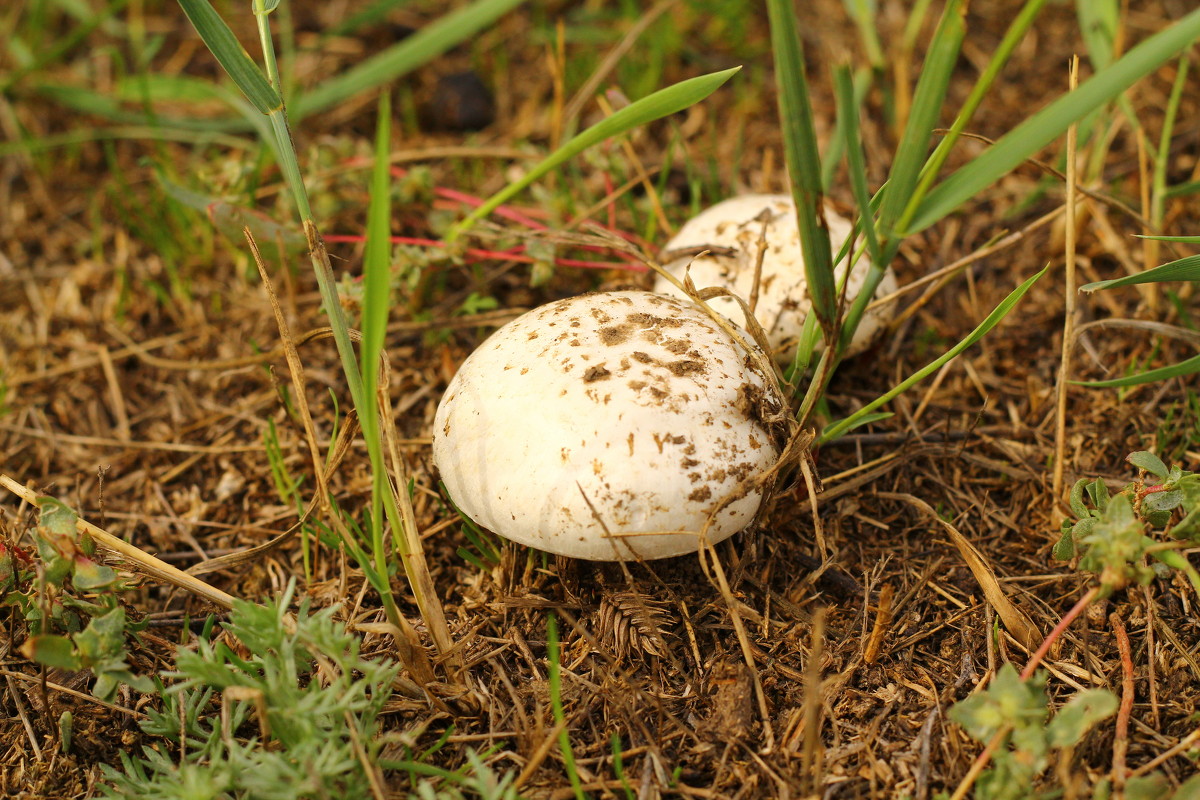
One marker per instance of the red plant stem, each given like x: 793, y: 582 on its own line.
x: 1121, y: 741
x: 1062, y: 625
x: 476, y: 254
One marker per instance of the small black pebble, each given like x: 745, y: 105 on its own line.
x: 461, y: 102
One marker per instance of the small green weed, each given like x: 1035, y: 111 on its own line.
x: 294, y: 713
x: 1015, y: 710
x: 69, y: 601
x: 1114, y: 534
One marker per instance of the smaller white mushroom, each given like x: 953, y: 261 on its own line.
x: 732, y: 230
x: 610, y: 426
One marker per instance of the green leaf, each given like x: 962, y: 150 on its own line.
x: 56, y: 519
x: 90, y: 576
x: 231, y: 55
x: 1145, y: 460
x: 1159, y: 502
x: 1045, y: 126
x: 1183, y: 269
x: 51, y: 651
x: 1064, y: 548
x: 1185, y: 367
x: 660, y: 104
x: 992, y: 320
x: 423, y: 46
x: 1078, y: 507
x: 1008, y: 700
x: 1080, y: 713
x: 803, y: 160
x: 847, y: 112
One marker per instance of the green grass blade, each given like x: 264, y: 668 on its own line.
x: 803, y: 159
x: 377, y: 256
x: 1187, y: 367
x: 864, y: 12
x: 837, y: 143
x: 1158, y: 186
x: 429, y: 42
x: 555, y: 680
x: 1012, y: 37
x: 1098, y: 21
x: 1184, y: 269
x: 1048, y: 124
x: 838, y: 428
x: 847, y: 111
x: 655, y: 106
x: 928, y: 99
x: 232, y: 56
x: 1185, y: 239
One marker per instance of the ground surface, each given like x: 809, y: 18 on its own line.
x: 129, y: 334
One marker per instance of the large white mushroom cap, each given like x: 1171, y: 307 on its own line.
x: 608, y: 427
x: 736, y: 225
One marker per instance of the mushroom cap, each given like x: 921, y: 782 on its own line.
x: 783, y: 302
x: 608, y: 427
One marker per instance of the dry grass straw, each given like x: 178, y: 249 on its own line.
x: 1064, y: 369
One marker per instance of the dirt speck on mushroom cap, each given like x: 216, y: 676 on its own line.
x: 608, y: 426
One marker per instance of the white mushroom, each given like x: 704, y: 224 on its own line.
x: 608, y: 427
x: 731, y: 229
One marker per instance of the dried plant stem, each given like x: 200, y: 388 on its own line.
x: 1060, y: 425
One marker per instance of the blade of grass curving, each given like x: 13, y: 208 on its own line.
x: 655, y: 106
x: 1188, y: 366
x: 803, y: 161
x: 429, y: 42
x: 1183, y: 269
x: 1048, y: 124
x: 1012, y: 37
x: 233, y: 57
x: 928, y: 100
x: 836, y: 429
